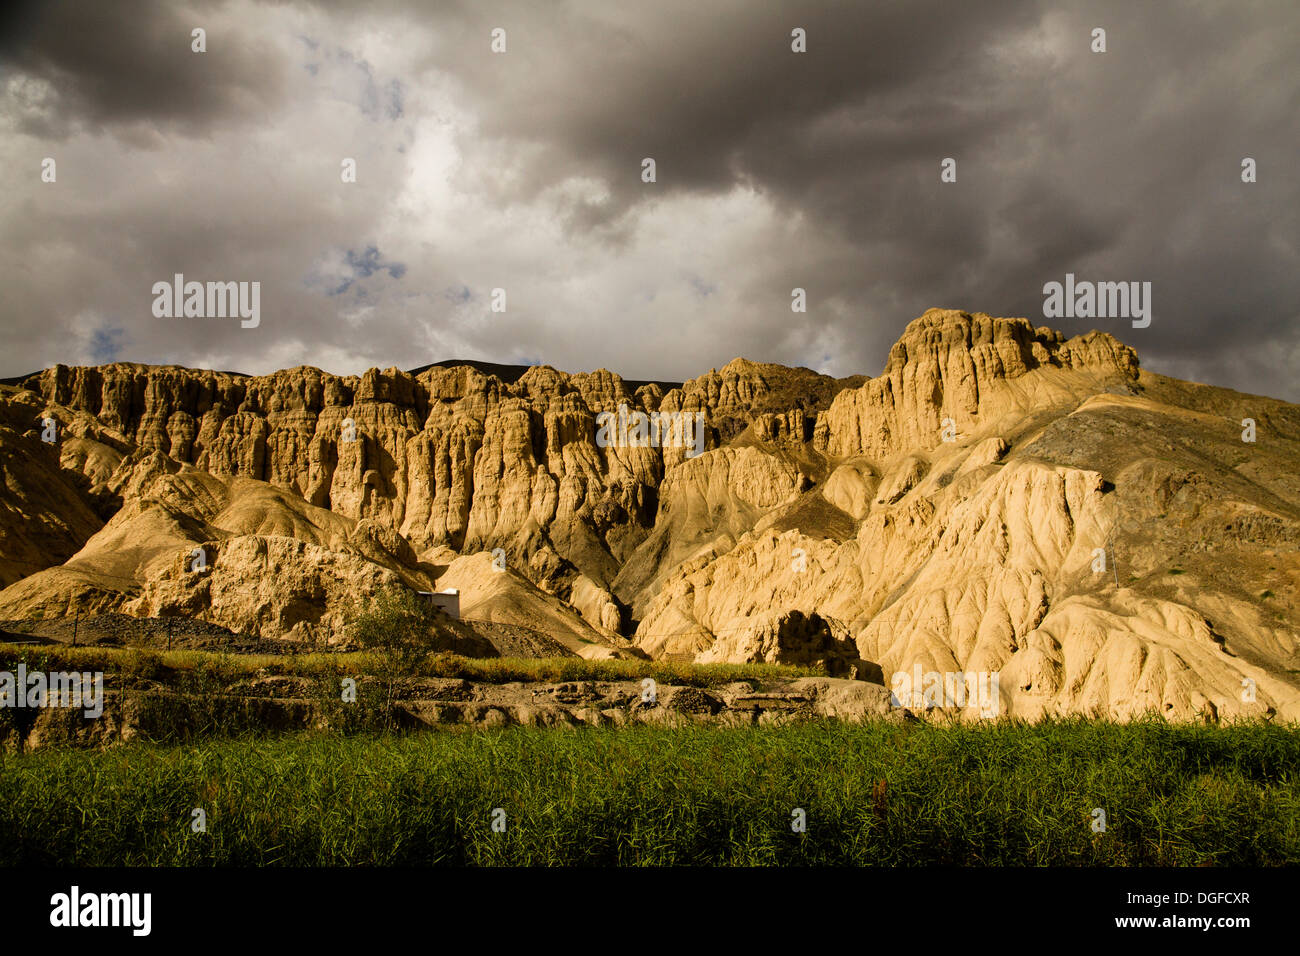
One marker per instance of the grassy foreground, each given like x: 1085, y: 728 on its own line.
x: 879, y: 794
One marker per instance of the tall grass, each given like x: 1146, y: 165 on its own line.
x: 880, y: 794
x: 159, y: 665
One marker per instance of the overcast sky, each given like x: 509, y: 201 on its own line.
x: 523, y: 171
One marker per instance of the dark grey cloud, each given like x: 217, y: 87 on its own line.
x: 129, y: 61
x: 775, y: 170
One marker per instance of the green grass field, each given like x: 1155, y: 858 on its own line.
x: 878, y: 794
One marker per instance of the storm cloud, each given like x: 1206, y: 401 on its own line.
x: 521, y: 171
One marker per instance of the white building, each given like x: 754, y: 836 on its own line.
x: 448, y: 600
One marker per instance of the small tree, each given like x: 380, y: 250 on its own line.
x: 396, y: 626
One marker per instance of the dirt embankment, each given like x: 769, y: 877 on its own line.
x: 139, y: 708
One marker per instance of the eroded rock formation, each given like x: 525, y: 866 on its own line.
x: 999, y: 498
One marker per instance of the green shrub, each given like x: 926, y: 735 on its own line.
x: 398, y: 627
x: 396, y: 619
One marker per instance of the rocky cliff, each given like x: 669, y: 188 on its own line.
x: 999, y: 499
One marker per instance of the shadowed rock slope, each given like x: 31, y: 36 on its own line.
x: 998, y: 499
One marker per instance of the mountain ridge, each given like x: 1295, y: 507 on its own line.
x: 947, y: 512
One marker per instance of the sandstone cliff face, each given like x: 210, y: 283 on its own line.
x: 1074, y: 535
x: 704, y: 506
x: 973, y: 370
x: 450, y: 456
x: 999, y: 499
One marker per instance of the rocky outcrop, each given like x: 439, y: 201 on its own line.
x: 1000, y: 499
x: 972, y: 370
x: 447, y: 457
x: 792, y: 637
x: 48, y: 502
x: 705, y: 505
x: 153, y: 711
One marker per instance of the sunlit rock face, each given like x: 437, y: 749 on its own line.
x: 999, y: 499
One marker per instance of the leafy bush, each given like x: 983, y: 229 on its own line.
x: 394, y: 619
x: 398, y: 626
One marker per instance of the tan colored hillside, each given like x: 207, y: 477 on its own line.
x: 827, y: 520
